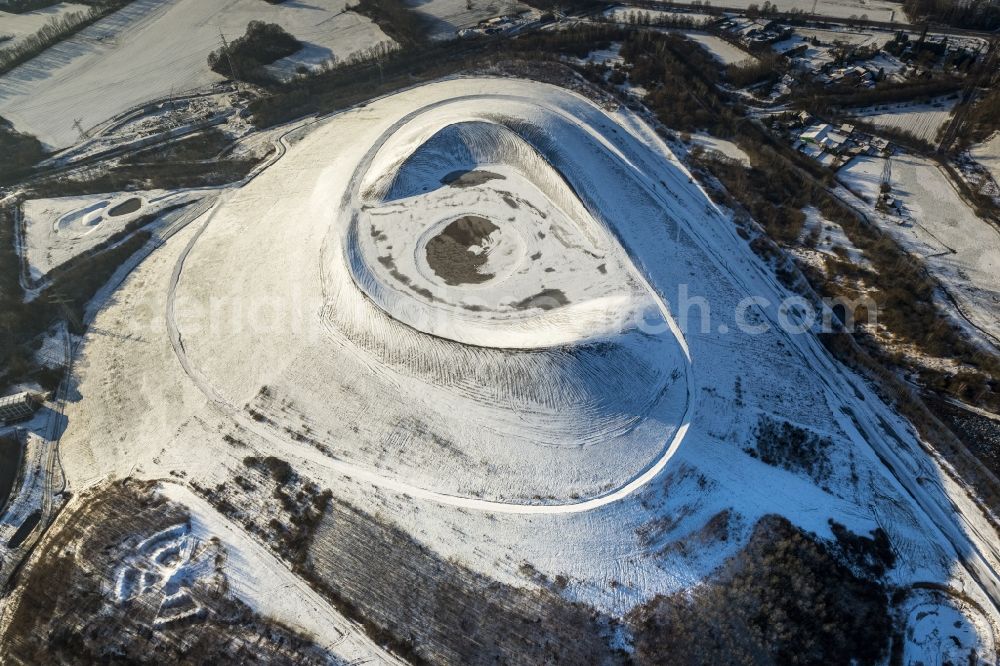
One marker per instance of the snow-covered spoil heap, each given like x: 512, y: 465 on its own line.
x: 482, y: 330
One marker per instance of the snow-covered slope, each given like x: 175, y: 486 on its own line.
x: 987, y: 153
x: 56, y: 230
x: 561, y: 367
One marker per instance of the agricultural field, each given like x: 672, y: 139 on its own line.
x: 152, y: 49
x: 720, y: 49
x: 922, y: 120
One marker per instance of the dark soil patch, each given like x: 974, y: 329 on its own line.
x: 470, y: 178
x: 126, y: 207
x: 450, y: 254
x: 547, y: 299
x: 10, y: 462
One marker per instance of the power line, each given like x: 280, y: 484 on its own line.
x: 232, y: 67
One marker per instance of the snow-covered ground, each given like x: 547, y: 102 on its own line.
x: 721, y: 146
x: 19, y: 26
x: 610, y: 56
x: 943, y: 629
x: 821, y: 53
x: 848, y: 36
x: 262, y: 581
x: 923, y: 120
x: 56, y: 230
x: 720, y: 49
x: 830, y: 241
x: 264, y: 293
x: 959, y: 248
x: 988, y: 154
x: 153, y: 48
x: 448, y: 17
x: 813, y: 57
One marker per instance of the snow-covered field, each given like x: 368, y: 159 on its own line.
x: 19, y: 26
x: 946, y: 628
x: 922, y: 120
x: 959, y: 248
x: 447, y: 17
x: 153, y: 48
x: 853, y: 37
x: 283, y: 321
x: 720, y: 49
x: 721, y: 146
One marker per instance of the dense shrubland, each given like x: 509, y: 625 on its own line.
x: 20, y: 153
x: 984, y: 118
x: 22, y: 6
x: 822, y: 99
x: 790, y: 447
x: 10, y: 459
x: 976, y: 14
x: 784, y: 599
x: 148, y: 175
x: 680, y: 78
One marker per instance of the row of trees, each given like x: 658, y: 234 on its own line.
x: 395, y: 18
x: 975, y: 14
x: 20, y: 152
x: 55, y: 30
